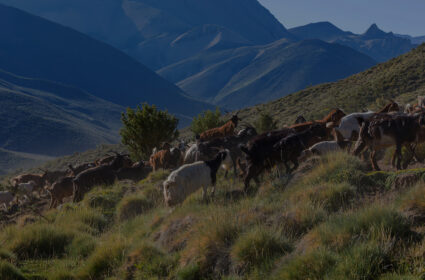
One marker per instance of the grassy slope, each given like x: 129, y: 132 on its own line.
x: 334, y: 220
x: 402, y: 78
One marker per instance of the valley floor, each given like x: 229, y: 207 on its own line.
x: 332, y: 219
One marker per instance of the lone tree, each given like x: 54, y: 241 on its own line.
x: 265, y: 122
x: 207, y: 120
x: 146, y: 127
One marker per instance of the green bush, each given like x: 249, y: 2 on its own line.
x: 40, y: 241
x: 145, y: 127
x: 10, y: 272
x: 205, y: 121
x: 265, y: 122
x: 258, y: 247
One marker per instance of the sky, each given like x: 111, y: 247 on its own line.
x: 398, y: 16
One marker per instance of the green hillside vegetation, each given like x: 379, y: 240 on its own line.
x: 331, y: 220
x: 402, y: 79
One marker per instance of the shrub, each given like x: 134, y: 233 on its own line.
x: 207, y: 120
x: 145, y: 127
x: 10, y: 272
x: 39, y: 241
x: 258, y: 247
x: 314, y: 265
x: 132, y: 206
x: 265, y: 122
x: 393, y: 276
x: 104, y: 260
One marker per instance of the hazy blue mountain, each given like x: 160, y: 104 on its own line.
x: 37, y: 48
x: 251, y: 75
x: 375, y: 43
x: 148, y: 29
x: 415, y: 40
x: 41, y: 119
x: 325, y: 31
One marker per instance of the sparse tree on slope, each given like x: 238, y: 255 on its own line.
x: 206, y: 120
x: 146, y: 127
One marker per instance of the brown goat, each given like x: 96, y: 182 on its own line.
x: 59, y: 190
x: 39, y: 179
x: 134, y: 173
x: 228, y: 129
x: 385, y: 131
x: 100, y: 175
x: 334, y: 117
x: 80, y: 168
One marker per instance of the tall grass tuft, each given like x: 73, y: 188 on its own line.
x: 370, y: 223
x: 314, y: 265
x: 10, y: 272
x: 259, y: 247
x: 39, y: 241
x: 104, y: 261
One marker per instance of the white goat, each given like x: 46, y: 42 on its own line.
x: 27, y: 188
x: 349, y: 125
x: 191, y: 177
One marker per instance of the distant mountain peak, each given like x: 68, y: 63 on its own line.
x: 374, y: 32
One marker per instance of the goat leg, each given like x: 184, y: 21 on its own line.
x: 375, y: 165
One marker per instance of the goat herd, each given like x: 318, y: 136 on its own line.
x: 247, y: 153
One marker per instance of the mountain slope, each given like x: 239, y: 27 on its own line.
x: 144, y: 27
x: 402, y: 79
x: 37, y: 48
x: 375, y: 43
x: 251, y: 75
x: 325, y: 31
x: 46, y: 118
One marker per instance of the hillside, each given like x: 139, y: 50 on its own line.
x: 401, y: 78
x: 142, y: 28
x: 41, y: 49
x: 216, y: 51
x: 251, y: 75
x: 42, y: 119
x: 375, y: 43
x: 333, y: 219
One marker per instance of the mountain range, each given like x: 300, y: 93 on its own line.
x: 401, y: 79
x: 375, y: 43
x: 229, y: 53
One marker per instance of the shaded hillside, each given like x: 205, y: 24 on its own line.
x: 332, y: 219
x: 46, y: 118
x: 375, y: 43
x: 402, y: 78
x: 37, y: 48
x: 12, y: 161
x: 148, y: 29
x: 252, y: 75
